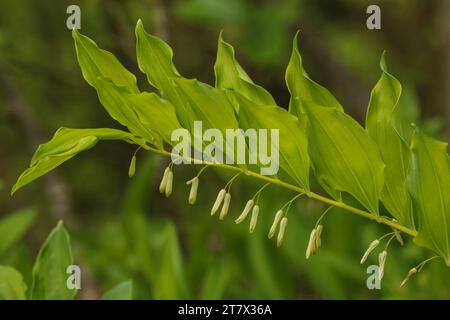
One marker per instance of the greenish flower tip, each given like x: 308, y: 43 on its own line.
x: 167, y: 182
x: 225, y: 207
x: 281, y: 232
x: 381, y: 262
x: 194, y: 187
x: 132, y: 168
x: 254, y: 219
x: 311, y: 248
x: 412, y: 272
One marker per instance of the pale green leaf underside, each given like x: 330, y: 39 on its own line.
x: 65, y: 144
x: 429, y: 185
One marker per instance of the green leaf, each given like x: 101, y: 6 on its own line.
x: 429, y: 185
x: 13, y: 226
x: 154, y: 113
x: 65, y: 144
x: 49, y: 270
x: 97, y: 63
x: 123, y: 291
x: 204, y: 104
x: 12, y: 286
x: 344, y: 155
x: 303, y: 88
x: 380, y: 124
x: 154, y: 58
x: 111, y: 80
x: 145, y: 114
x: 293, y: 143
x: 114, y: 101
x: 230, y: 75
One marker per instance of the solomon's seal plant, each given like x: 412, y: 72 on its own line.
x: 388, y: 161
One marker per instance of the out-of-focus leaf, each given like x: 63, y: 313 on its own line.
x: 344, y: 155
x: 14, y: 226
x: 170, y: 281
x: 12, y: 286
x: 216, y: 281
x: 50, y: 269
x: 302, y: 88
x: 97, y: 63
x: 429, y: 185
x: 154, y: 58
x: 211, y: 11
x: 263, y: 272
x: 380, y: 121
x: 123, y: 291
x: 230, y: 75
x: 293, y: 143
x: 65, y: 144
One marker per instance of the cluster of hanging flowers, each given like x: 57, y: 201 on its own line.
x: 223, y: 201
x: 314, y: 241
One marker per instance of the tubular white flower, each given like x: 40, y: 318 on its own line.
x: 318, y: 235
x: 372, y: 246
x: 226, y: 206
x: 245, y: 212
x: 163, y: 184
x: 311, y: 244
x: 254, y: 219
x: 410, y: 274
x: 194, y: 187
x: 169, y: 183
x: 275, y: 222
x: 218, y: 201
x: 281, y: 232
x: 382, y: 261
x: 132, y: 168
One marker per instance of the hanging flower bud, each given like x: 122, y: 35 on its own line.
x: 245, y: 212
x: 372, y: 246
x: 132, y: 168
x: 169, y: 183
x: 311, y: 244
x: 163, y: 184
x: 281, y: 232
x: 275, y: 222
x: 381, y: 262
x: 254, y: 219
x: 318, y: 234
x: 226, y: 206
x: 410, y: 274
x: 218, y: 201
x: 194, y: 187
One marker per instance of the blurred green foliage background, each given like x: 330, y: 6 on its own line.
x: 124, y: 229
